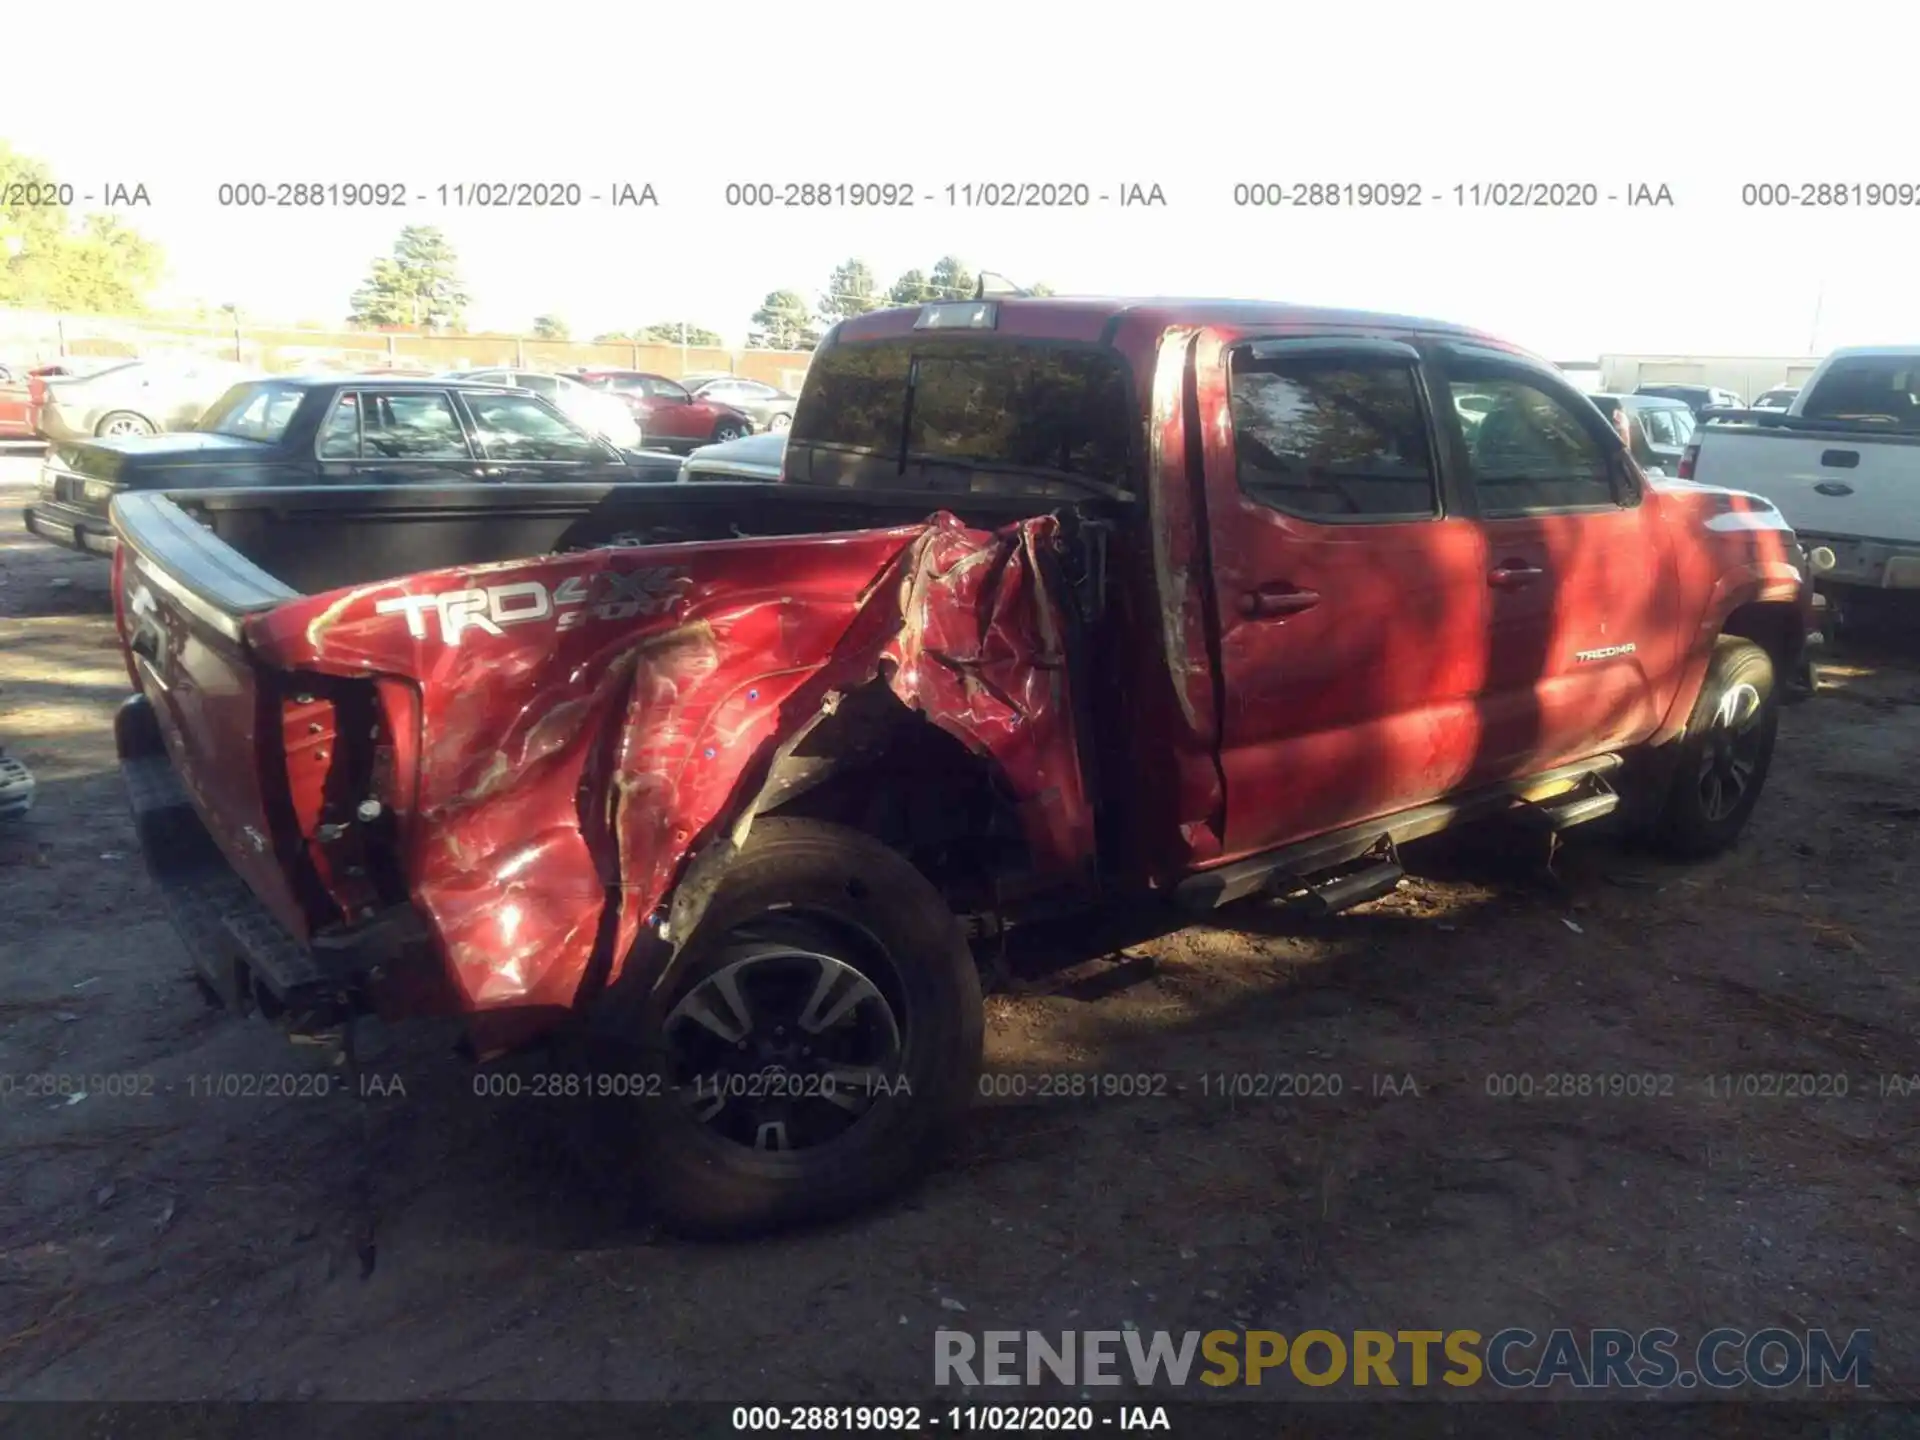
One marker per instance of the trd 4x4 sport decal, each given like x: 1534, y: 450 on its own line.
x: 607, y: 595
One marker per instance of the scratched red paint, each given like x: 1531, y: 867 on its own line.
x: 749, y: 638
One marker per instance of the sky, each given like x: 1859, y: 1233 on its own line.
x: 1195, y: 99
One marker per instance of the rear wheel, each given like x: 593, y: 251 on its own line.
x: 1725, y: 753
x: 123, y: 422
x: 815, y: 1038
x: 729, y: 430
x: 780, y: 421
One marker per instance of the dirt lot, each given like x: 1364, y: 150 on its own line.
x: 179, y: 1245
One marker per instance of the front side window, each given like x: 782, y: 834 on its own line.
x: 1659, y: 425
x: 1337, y: 437
x: 520, y: 428
x: 665, y: 389
x: 1532, y: 452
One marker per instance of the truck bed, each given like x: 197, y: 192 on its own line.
x: 249, y: 550
x: 374, y: 710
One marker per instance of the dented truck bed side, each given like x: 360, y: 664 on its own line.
x: 556, y: 737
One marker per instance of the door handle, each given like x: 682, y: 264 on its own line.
x: 487, y: 472
x: 1512, y: 574
x: 1834, y: 487
x: 1265, y: 604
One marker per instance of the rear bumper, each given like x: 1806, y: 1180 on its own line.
x: 52, y: 422
x: 245, y: 956
x: 74, y: 529
x: 1868, y: 564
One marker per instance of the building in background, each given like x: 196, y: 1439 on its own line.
x: 1745, y: 375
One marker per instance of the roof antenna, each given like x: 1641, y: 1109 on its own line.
x: 1003, y: 286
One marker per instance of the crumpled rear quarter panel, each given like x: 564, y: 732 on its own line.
x: 609, y: 709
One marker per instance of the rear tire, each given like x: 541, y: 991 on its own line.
x: 780, y: 421
x: 1723, y: 758
x: 729, y: 430
x: 845, y: 960
x: 123, y: 422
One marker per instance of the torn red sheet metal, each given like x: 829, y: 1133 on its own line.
x: 587, y: 720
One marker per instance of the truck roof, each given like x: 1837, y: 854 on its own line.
x: 1092, y: 317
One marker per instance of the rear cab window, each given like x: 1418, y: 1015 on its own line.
x: 1882, y: 390
x: 935, y: 412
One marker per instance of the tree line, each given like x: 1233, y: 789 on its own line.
x: 418, y: 285
x: 99, y: 265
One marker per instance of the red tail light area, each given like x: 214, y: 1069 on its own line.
x: 1687, y: 459
x: 347, y: 746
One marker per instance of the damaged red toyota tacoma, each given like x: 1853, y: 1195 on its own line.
x: 1055, y: 602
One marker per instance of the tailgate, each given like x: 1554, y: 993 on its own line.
x: 181, y: 598
x: 1829, y: 484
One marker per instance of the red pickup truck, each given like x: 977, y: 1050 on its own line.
x: 1055, y: 601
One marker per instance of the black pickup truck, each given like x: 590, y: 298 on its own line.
x: 359, y: 430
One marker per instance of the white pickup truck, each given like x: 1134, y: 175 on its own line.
x: 1842, y: 463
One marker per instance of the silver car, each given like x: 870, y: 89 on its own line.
x: 135, y: 397
x: 768, y: 407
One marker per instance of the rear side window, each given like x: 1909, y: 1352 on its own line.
x: 401, y: 425
x: 1873, y: 389
x: 1336, y: 437
x: 1531, y: 452
x: 1009, y: 406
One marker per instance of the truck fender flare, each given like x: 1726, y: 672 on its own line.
x: 1775, y: 581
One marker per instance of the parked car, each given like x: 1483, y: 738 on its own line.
x: 1698, y: 398
x: 15, y: 400
x: 1843, y: 465
x: 757, y: 457
x: 597, y: 410
x: 768, y: 406
x: 332, y: 430
x: 1777, y: 399
x: 1661, y: 429
x: 134, y: 397
x: 1055, y: 603
x: 20, y: 395
x: 669, y: 413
